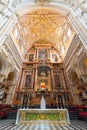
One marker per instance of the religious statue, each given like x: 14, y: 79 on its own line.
x: 43, y: 103
x: 42, y: 86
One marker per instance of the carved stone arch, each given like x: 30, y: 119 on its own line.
x: 83, y: 64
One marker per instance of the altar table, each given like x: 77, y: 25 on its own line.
x: 25, y: 116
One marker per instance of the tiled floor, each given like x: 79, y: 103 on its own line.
x: 10, y: 125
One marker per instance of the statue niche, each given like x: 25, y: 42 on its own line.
x: 43, y: 77
x: 42, y: 84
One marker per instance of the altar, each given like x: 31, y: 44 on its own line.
x: 26, y: 116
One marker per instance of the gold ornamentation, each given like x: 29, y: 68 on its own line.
x: 43, y: 25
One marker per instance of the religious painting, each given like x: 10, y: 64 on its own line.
x: 31, y: 57
x: 28, y: 81
x: 42, y: 73
x: 42, y: 54
x: 57, y: 80
x: 54, y: 57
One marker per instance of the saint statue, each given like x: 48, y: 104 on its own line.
x: 43, y: 103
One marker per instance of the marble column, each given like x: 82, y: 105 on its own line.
x: 33, y: 78
x: 36, y: 53
x: 35, y: 87
x: 22, y: 98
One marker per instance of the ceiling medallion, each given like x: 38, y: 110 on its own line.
x: 42, y: 2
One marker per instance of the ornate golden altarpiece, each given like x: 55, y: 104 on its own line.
x: 42, y: 73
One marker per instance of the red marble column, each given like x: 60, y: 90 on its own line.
x: 53, y: 81
x: 34, y: 74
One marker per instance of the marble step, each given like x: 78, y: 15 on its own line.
x: 75, y: 125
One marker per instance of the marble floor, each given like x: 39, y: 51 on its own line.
x: 10, y: 125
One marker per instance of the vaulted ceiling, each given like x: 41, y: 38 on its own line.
x: 43, y: 24
x: 24, y: 22
x: 46, y: 20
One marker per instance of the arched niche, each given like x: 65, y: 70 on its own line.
x: 11, y: 85
x: 74, y: 77
x: 85, y: 66
x: 11, y: 76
